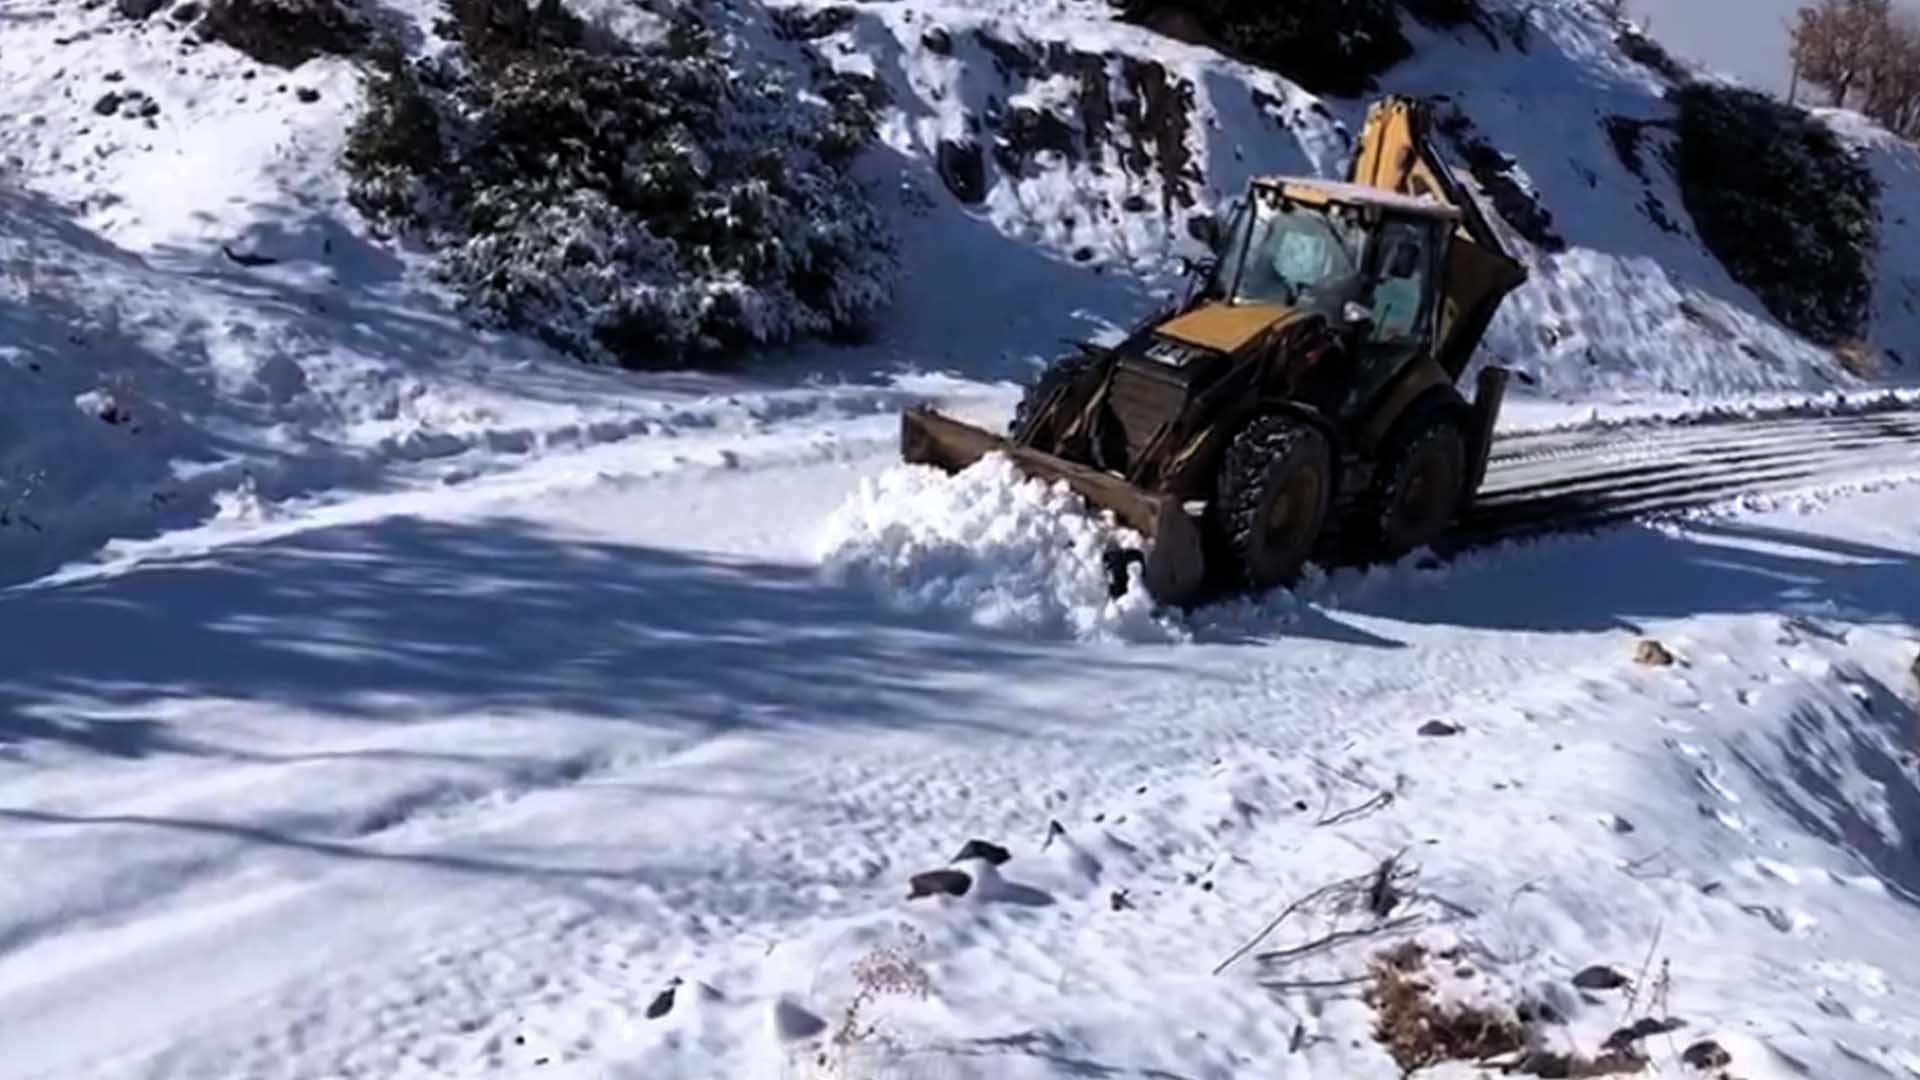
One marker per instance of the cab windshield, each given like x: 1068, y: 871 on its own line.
x: 1292, y: 253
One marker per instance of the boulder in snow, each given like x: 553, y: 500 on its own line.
x: 937, y: 882
x: 1652, y: 654
x: 982, y: 849
x: 1599, y: 977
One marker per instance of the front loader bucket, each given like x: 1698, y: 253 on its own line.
x: 1175, y: 561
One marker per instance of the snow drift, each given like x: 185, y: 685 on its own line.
x: 1008, y: 552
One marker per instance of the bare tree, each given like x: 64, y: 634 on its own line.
x: 1893, y: 94
x: 1835, y: 43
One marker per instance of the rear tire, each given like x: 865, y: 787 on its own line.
x: 1274, y: 488
x: 1424, y: 481
x: 1059, y: 372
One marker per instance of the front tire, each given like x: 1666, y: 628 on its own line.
x: 1424, y: 486
x: 1274, y: 489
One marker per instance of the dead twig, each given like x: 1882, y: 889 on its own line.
x: 1328, y: 941
x: 1383, y: 893
x: 1640, y: 980
x: 1274, y: 923
x: 1380, y: 800
x: 1315, y: 984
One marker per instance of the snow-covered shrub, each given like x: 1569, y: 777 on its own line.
x: 642, y: 204
x: 1328, y: 46
x: 1789, y: 211
x: 286, y: 33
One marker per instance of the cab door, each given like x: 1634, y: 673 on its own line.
x: 1403, y: 271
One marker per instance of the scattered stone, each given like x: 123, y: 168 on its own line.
x: 797, y: 25
x: 935, y: 39
x: 1439, y: 728
x: 184, y: 13
x: 1134, y: 204
x: 981, y: 849
x: 307, y: 94
x: 1599, y: 977
x: 108, y: 104
x: 1083, y: 254
x: 963, y: 168
x: 243, y: 258
x: 936, y: 882
x: 662, y: 1002
x: 792, y: 1023
x: 1618, y: 824
x: 114, y: 76
x: 1625, y: 1037
x: 1119, y: 901
x: 1652, y: 654
x: 1706, y: 1054
x: 138, y: 9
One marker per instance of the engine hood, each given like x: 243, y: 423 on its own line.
x: 1227, y: 328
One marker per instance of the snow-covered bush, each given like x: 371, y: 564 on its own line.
x: 286, y: 33
x: 1328, y: 46
x: 1790, y: 212
x: 647, y: 204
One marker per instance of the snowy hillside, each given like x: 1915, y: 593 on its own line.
x: 386, y: 696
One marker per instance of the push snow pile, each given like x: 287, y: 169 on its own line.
x: 1010, y: 552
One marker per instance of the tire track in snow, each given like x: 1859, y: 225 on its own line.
x: 1558, y: 482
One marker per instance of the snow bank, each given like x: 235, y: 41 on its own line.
x: 1010, y: 552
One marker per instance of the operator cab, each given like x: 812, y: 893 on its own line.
x: 1364, y: 258
x: 1348, y: 252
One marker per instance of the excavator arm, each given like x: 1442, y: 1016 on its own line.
x: 1396, y: 153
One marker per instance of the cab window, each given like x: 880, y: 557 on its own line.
x: 1400, y: 291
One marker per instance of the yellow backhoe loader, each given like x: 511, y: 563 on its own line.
x: 1303, y: 395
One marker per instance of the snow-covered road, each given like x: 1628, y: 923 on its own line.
x: 451, y: 783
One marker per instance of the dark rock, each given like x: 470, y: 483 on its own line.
x: 1599, y: 977
x: 963, y: 168
x: 108, y: 104
x: 1119, y: 901
x: 936, y: 39
x: 1652, y: 654
x: 1009, y: 57
x: 935, y: 882
x: 1625, y: 1037
x: 184, y: 13
x: 1439, y: 728
x: 1706, y: 1054
x: 1134, y: 204
x: 138, y: 9
x: 981, y: 849
x: 662, y: 1002
x: 114, y: 77
x: 307, y: 94
x: 809, y: 25
x: 1083, y: 254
